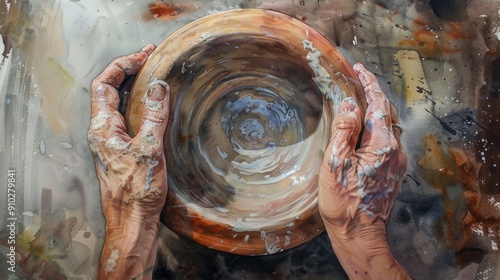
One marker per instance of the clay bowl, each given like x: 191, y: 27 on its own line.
x: 253, y: 95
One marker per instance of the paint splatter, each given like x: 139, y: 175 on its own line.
x: 168, y: 12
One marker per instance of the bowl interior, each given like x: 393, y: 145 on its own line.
x: 252, y: 103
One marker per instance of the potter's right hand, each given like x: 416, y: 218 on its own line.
x: 358, y: 183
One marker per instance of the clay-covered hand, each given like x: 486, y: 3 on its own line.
x: 360, y: 176
x: 132, y: 171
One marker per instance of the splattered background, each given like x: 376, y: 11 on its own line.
x: 438, y: 60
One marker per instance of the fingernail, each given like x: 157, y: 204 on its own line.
x: 148, y: 49
x: 158, y: 90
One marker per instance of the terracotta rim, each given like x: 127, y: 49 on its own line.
x: 178, y: 215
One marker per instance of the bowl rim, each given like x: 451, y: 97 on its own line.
x: 187, y: 221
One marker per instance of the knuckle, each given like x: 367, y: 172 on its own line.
x: 94, y: 135
x: 94, y: 138
x: 345, y: 122
x: 117, y: 61
x: 123, y: 64
x: 152, y: 119
x: 117, y: 143
x: 154, y: 105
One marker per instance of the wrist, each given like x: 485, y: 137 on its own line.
x: 363, y: 251
x: 359, y: 226
x: 129, y: 250
x: 127, y: 228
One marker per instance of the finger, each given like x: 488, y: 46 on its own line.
x: 125, y: 65
x: 106, y: 120
x: 378, y: 133
x: 155, y: 115
x: 375, y: 97
x: 370, y: 83
x: 337, y: 193
x: 379, y: 156
x: 104, y: 93
x: 342, y: 145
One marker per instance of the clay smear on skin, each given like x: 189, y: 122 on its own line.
x: 117, y: 143
x: 100, y: 120
x: 149, y: 174
x: 112, y: 261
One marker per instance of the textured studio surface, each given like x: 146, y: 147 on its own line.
x: 438, y: 61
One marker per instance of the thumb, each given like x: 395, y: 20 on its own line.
x: 341, y: 152
x: 155, y: 115
x: 337, y: 178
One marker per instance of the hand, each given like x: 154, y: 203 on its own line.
x: 358, y: 183
x: 132, y: 171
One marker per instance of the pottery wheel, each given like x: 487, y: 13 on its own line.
x: 253, y: 95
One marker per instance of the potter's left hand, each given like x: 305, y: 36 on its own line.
x: 132, y: 171
x: 358, y: 183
